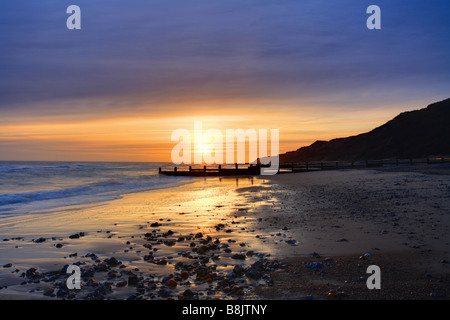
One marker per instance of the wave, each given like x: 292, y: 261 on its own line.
x: 103, y: 189
x: 59, y: 167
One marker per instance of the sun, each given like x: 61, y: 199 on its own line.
x: 205, y: 148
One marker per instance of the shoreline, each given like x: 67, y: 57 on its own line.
x: 257, y: 236
x: 148, y: 234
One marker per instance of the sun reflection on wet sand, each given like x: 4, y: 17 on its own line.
x: 220, y: 209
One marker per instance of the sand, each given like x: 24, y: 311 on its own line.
x: 398, y: 217
x: 258, y: 237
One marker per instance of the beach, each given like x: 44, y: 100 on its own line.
x: 396, y: 218
x: 291, y: 236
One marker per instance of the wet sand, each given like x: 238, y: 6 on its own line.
x: 243, y: 238
x: 344, y: 221
x: 196, y: 235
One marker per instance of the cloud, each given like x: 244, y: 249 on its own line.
x: 159, y: 55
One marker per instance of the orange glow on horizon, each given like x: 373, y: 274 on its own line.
x: 147, y: 138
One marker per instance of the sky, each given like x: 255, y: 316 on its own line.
x: 140, y: 69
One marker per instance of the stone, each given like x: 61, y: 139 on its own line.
x: 133, y: 280
x: 237, y: 290
x: 169, y: 243
x: 112, y: 262
x: 238, y: 269
x: 48, y: 291
x: 148, y: 257
x: 32, y: 273
x: 171, y: 283
x: 314, y: 265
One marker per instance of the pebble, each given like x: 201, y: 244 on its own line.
x: 199, y: 235
x: 39, y: 240
x: 238, y: 256
x: 314, y: 265
x: 48, y: 291
x: 197, y: 267
x: 112, y: 262
x: 237, y: 290
x: 133, y: 280
x: 188, y: 293
x: 171, y: 283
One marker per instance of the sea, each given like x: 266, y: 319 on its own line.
x: 41, y: 187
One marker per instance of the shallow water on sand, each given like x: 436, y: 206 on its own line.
x: 221, y: 209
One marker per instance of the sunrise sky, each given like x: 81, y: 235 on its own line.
x: 139, y: 69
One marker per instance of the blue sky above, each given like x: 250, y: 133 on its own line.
x: 152, y: 57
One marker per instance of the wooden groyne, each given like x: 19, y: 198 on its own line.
x: 215, y: 170
x: 255, y: 169
x: 335, y: 165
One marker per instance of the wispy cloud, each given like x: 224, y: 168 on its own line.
x: 158, y: 58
